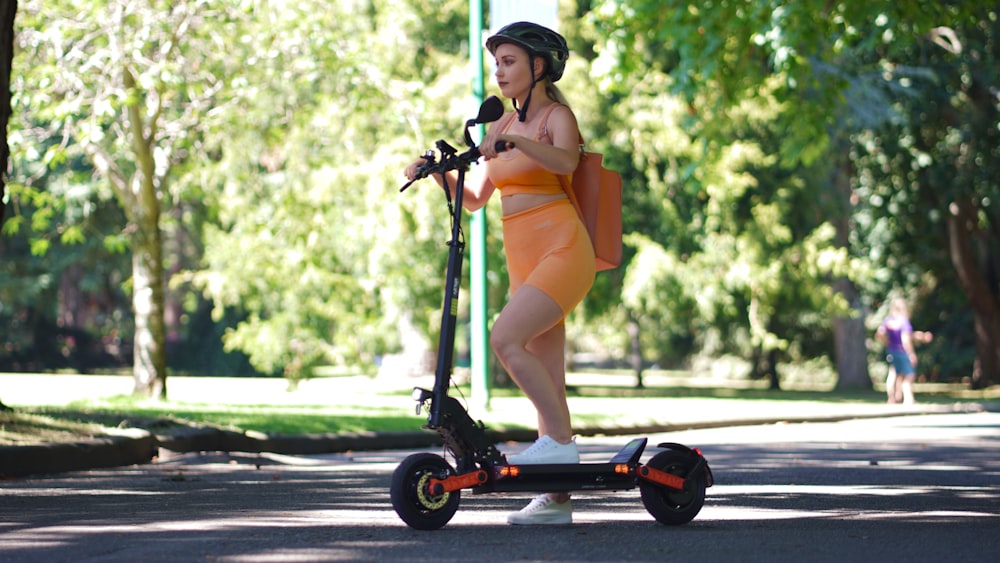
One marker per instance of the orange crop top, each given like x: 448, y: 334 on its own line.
x: 514, y: 173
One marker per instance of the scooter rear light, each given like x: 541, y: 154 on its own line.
x: 622, y: 468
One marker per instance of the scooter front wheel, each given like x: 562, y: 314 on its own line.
x: 411, y: 497
x: 670, y: 506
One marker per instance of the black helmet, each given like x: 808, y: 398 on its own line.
x: 538, y: 41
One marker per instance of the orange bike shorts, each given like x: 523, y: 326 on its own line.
x: 548, y: 248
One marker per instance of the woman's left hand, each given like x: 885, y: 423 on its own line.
x: 488, y: 147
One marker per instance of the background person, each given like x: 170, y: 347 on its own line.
x: 897, y: 333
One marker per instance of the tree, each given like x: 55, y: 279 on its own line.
x: 304, y: 126
x: 8, y: 11
x: 705, y: 186
x: 931, y: 176
x: 313, y: 239
x: 127, y: 85
x: 821, y: 63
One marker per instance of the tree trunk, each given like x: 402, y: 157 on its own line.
x: 8, y: 9
x: 850, y: 351
x: 764, y: 363
x: 961, y: 223
x: 150, y: 365
x: 148, y: 289
x: 774, y: 382
x: 635, y: 351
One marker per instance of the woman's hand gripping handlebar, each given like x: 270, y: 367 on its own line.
x: 428, y: 164
x: 490, y: 111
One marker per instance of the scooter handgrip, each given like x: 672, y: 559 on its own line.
x: 502, y: 146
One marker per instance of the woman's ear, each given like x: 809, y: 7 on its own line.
x: 538, y: 67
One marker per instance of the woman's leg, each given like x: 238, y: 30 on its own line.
x: 550, y: 348
x: 890, y: 384
x: 907, y: 386
x: 530, y: 346
x: 530, y: 341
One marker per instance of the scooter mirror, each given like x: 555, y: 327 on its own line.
x: 490, y: 111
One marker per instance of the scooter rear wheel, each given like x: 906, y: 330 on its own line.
x: 670, y: 506
x: 411, y: 498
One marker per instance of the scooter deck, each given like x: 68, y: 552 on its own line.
x: 617, y: 474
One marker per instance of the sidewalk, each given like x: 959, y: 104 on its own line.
x: 128, y: 447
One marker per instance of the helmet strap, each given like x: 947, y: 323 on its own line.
x: 522, y: 112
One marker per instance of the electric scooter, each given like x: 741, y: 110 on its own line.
x: 426, y: 488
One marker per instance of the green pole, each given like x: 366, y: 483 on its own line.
x: 479, y: 350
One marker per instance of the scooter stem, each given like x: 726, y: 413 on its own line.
x: 449, y: 310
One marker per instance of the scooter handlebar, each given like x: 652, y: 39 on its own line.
x: 438, y: 167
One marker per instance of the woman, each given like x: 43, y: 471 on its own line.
x: 550, y: 258
x: 897, y: 333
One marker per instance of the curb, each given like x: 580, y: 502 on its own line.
x: 210, y: 439
x: 109, y: 451
x: 140, y: 447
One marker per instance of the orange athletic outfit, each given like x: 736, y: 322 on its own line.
x: 547, y: 246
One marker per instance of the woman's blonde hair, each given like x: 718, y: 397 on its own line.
x: 898, y: 306
x: 553, y: 91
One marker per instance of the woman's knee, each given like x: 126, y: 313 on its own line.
x: 504, y: 347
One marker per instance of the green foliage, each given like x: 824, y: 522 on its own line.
x: 916, y: 173
x: 657, y: 293
x: 308, y: 203
x: 279, y: 132
x: 40, y: 273
x: 111, y: 103
x: 730, y: 255
x: 774, y: 94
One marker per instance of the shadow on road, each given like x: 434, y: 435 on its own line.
x: 820, y: 501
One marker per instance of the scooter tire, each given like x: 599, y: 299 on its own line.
x: 411, y: 498
x: 670, y: 506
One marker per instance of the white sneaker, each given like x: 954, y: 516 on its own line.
x: 546, y: 450
x: 543, y: 510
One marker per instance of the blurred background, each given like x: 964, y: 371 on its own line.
x: 212, y: 188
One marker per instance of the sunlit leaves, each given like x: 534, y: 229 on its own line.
x: 315, y: 241
x: 39, y: 246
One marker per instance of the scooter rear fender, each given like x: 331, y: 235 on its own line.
x: 709, y: 479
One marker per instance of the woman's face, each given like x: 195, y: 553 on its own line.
x: 513, y: 74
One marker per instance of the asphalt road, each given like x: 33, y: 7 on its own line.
x: 917, y: 488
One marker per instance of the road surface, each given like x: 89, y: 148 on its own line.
x: 916, y: 488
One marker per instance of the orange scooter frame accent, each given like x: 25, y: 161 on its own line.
x: 661, y: 477
x: 455, y: 482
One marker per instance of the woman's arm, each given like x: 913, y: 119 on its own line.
x: 908, y: 346
x: 880, y: 335
x: 478, y: 187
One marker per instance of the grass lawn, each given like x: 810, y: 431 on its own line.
x: 50, y: 408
